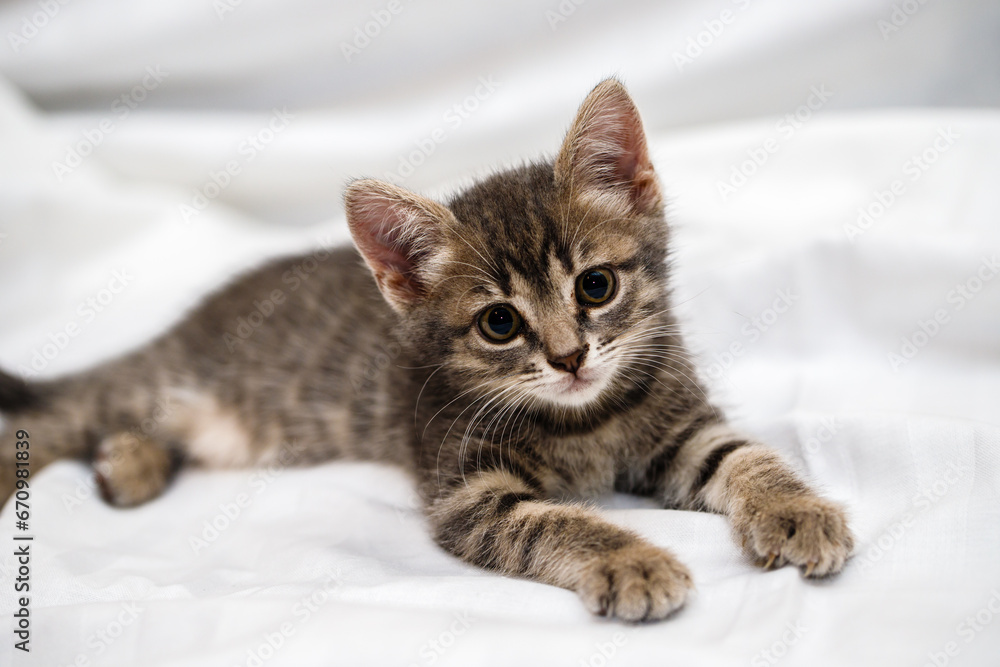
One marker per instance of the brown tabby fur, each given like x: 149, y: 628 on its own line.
x: 495, y: 437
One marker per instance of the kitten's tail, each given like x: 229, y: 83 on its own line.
x: 16, y: 395
x: 133, y: 397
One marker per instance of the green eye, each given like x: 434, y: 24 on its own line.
x: 499, y: 323
x: 595, y: 286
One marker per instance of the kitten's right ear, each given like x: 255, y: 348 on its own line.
x: 400, y: 237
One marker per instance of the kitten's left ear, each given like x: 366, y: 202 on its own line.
x: 400, y: 235
x: 605, y: 154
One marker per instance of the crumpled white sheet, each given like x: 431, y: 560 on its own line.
x: 794, y: 306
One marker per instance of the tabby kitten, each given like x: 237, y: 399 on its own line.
x: 536, y: 358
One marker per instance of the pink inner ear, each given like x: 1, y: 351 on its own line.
x: 617, y: 145
x: 636, y: 174
x: 391, y: 230
x: 389, y: 259
x: 389, y: 246
x: 628, y: 162
x: 609, y: 148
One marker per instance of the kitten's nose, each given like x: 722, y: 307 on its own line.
x: 571, y: 362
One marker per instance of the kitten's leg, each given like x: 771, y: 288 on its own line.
x: 499, y: 521
x: 132, y: 469
x: 776, y: 516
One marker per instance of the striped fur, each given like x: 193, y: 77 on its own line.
x: 379, y: 354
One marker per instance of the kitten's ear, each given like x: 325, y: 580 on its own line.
x: 400, y: 237
x: 605, y: 154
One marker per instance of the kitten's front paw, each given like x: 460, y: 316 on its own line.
x: 636, y: 583
x: 806, y: 531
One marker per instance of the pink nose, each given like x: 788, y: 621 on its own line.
x: 571, y: 362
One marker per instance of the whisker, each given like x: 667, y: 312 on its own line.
x: 437, y: 463
x: 469, y: 430
x: 416, y: 407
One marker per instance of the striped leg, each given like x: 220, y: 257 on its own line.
x: 776, y: 516
x: 499, y: 521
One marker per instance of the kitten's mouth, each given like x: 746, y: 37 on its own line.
x: 576, y: 389
x: 574, y: 384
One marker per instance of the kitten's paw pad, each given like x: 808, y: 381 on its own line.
x: 808, y: 532
x: 637, y: 583
x: 129, y: 470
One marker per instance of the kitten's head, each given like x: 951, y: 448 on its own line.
x: 545, y: 282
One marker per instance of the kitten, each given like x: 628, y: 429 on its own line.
x: 534, y: 354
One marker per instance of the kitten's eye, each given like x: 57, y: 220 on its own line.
x: 595, y: 286
x: 499, y: 323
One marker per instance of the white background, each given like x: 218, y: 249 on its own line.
x: 908, y: 444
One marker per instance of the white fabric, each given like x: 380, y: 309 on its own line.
x: 794, y: 306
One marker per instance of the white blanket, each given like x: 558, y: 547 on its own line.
x: 838, y: 274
